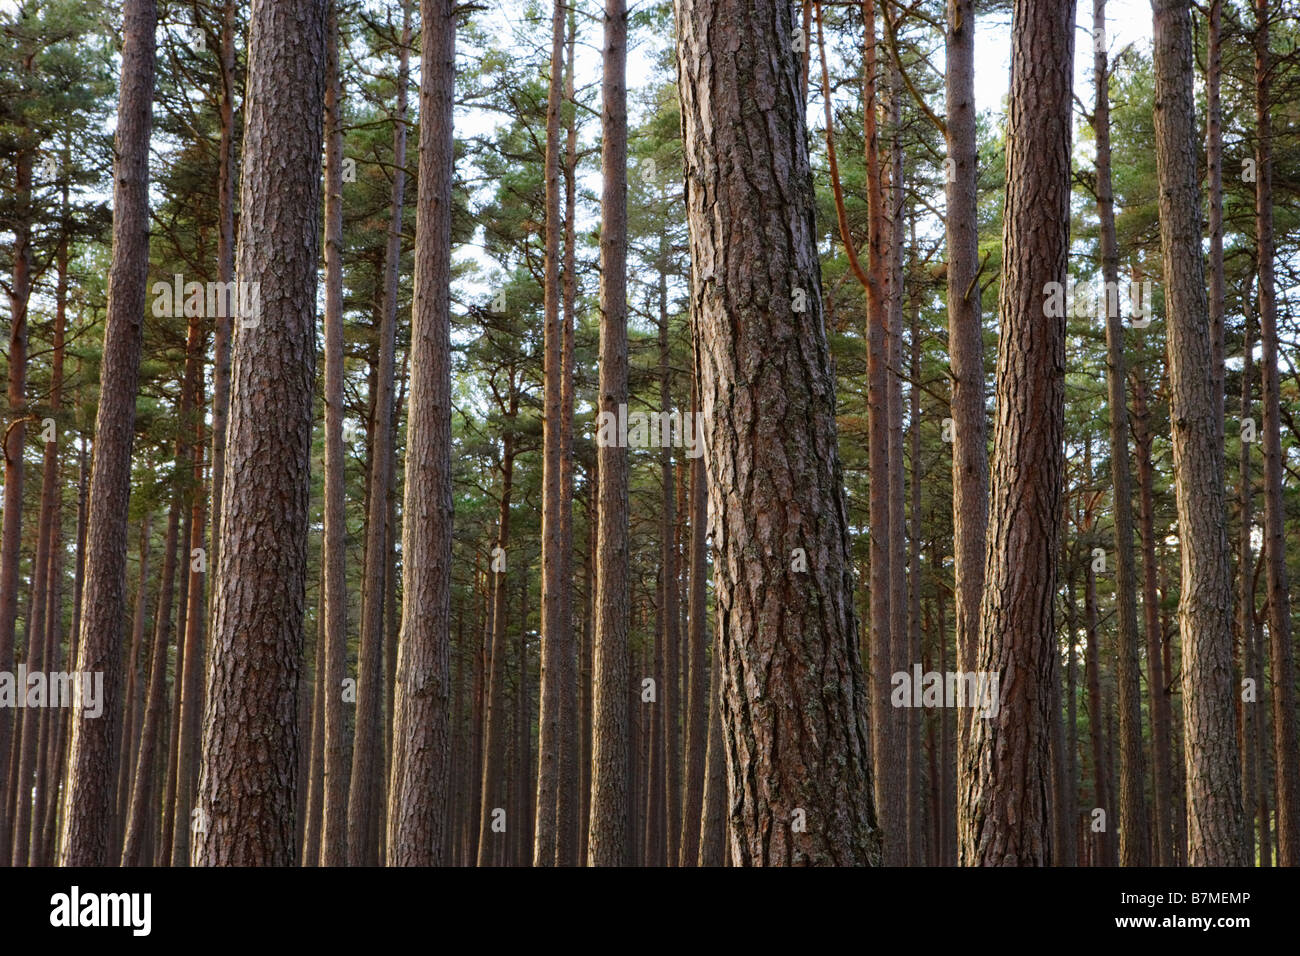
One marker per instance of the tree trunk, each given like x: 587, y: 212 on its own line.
x: 607, y: 837
x: 555, y: 642
x: 698, y: 703
x: 791, y: 670
x: 1006, y: 791
x: 338, y: 835
x: 1159, y: 705
x: 1134, y: 845
x: 1286, y: 749
x: 92, y: 760
x: 141, y: 810
x: 248, y: 782
x: 494, y: 783
x: 1205, y: 597
x: 970, y: 463
x: 418, y: 785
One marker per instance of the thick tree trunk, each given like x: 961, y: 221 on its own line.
x: 1005, y: 792
x: 788, y: 636
x: 248, y: 782
x: 418, y: 784
x: 1205, y: 601
x: 92, y: 760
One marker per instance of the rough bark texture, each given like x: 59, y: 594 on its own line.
x: 788, y: 637
x: 418, y: 783
x: 92, y: 758
x: 607, y: 835
x: 1205, y: 597
x: 248, y: 782
x: 1005, y: 791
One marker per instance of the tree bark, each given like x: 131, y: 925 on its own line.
x: 1133, y: 826
x: 970, y: 463
x: 1205, y: 597
x: 418, y: 785
x: 555, y: 642
x: 1005, y: 793
x: 607, y: 836
x: 1286, y: 748
x: 248, y: 782
x: 92, y: 758
x: 788, y: 636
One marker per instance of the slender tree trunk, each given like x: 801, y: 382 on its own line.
x: 1101, y: 779
x: 1159, y: 704
x: 555, y: 643
x: 338, y: 834
x: 1005, y: 791
x: 226, y: 272
x: 248, y: 782
x: 92, y: 768
x: 669, y: 598
x: 418, y: 785
x: 1286, y: 744
x: 1133, y: 827
x: 27, y: 810
x: 1246, y: 591
x: 141, y: 810
x: 316, y: 763
x: 698, y: 703
x: 970, y: 464
x: 129, y: 750
x: 607, y: 837
x: 14, y: 441
x: 189, y: 686
x: 367, y: 753
x: 1205, y: 602
x: 791, y: 670
x: 494, y: 782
